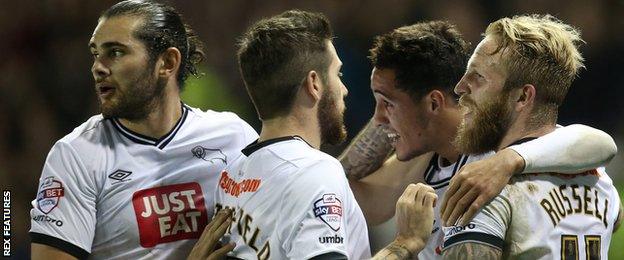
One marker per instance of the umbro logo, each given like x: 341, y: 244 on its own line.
x: 119, y: 176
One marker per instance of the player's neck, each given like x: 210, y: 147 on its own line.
x: 289, y: 126
x: 521, y: 129
x: 160, y: 121
x: 447, y: 130
x: 449, y: 155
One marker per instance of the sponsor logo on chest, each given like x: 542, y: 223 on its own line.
x: 170, y: 213
x: 234, y: 188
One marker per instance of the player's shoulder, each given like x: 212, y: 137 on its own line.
x: 303, y: 156
x: 324, y: 164
x: 215, y: 117
x: 323, y: 170
x: 478, y: 157
x: 91, y: 137
x: 221, y: 122
x: 91, y: 131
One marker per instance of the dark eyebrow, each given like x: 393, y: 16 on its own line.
x: 381, y: 93
x: 108, y: 45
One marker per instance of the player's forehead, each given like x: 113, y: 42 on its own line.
x: 333, y: 54
x: 485, y: 56
x: 383, y: 82
x: 119, y: 29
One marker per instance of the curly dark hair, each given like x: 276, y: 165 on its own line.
x: 163, y: 28
x: 275, y: 55
x: 424, y: 56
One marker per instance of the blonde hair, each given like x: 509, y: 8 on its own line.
x: 542, y: 51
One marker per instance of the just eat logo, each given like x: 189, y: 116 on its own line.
x: 170, y: 213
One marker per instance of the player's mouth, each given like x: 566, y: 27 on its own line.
x: 105, y: 90
x: 394, y: 137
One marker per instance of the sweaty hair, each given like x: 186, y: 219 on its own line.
x: 162, y: 28
x: 424, y: 56
x: 542, y: 51
x: 276, y: 54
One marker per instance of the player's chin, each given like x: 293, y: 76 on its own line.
x: 403, y: 152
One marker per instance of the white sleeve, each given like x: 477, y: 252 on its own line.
x: 488, y: 227
x: 313, y: 222
x: 63, y: 215
x: 571, y: 149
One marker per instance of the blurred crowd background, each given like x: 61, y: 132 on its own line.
x: 46, y: 87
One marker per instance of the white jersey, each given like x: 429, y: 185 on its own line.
x: 291, y: 201
x: 546, y: 216
x: 438, y: 177
x: 108, y: 193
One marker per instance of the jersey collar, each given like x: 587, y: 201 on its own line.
x: 523, y: 140
x: 255, y: 146
x: 142, y: 139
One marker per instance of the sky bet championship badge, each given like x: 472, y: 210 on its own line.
x: 50, y: 193
x: 329, y: 210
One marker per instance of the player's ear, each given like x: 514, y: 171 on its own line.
x: 312, y: 86
x: 435, y: 100
x: 524, y: 97
x: 169, y: 62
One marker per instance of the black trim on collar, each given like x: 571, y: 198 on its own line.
x: 59, y: 244
x: 433, y: 167
x: 523, y: 140
x: 146, y: 140
x: 255, y: 146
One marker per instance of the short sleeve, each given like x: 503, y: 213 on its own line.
x: 313, y: 222
x: 63, y: 215
x: 488, y: 227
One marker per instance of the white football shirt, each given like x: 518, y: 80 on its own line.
x: 546, y: 216
x: 437, y: 175
x: 291, y: 201
x: 109, y: 193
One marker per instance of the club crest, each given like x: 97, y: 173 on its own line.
x: 212, y: 154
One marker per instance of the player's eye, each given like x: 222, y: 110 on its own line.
x: 387, y: 104
x: 340, y: 74
x: 116, y: 53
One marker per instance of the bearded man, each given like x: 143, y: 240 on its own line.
x: 131, y: 182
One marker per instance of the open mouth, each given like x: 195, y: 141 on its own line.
x: 105, y: 90
x: 394, y: 137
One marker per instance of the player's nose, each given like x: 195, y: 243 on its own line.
x: 462, y: 86
x: 99, y: 70
x: 380, y: 115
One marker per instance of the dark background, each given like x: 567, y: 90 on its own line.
x: 46, y: 88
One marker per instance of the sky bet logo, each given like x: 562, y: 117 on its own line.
x: 170, y: 213
x: 329, y: 210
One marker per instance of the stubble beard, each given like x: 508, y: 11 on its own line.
x: 138, y: 100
